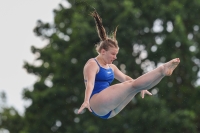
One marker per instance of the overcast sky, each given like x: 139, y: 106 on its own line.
x: 17, y: 21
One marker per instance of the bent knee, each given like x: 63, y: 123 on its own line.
x: 131, y: 83
x: 134, y: 85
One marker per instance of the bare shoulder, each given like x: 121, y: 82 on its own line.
x: 91, y: 64
x: 90, y: 69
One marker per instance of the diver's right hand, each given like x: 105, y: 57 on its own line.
x: 85, y: 104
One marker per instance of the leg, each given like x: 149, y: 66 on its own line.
x: 117, y: 96
x: 128, y: 99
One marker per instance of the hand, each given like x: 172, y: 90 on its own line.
x: 143, y: 92
x: 83, y: 106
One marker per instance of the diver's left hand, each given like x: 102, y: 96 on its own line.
x: 143, y: 92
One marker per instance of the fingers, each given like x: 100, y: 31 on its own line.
x: 142, y: 94
x: 80, y: 110
x: 147, y: 92
x: 89, y: 109
x: 83, y: 106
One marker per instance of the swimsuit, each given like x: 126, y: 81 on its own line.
x: 104, y: 116
x: 103, y: 80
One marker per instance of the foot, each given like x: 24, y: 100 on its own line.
x: 170, y: 66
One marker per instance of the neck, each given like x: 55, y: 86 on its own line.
x: 101, y: 60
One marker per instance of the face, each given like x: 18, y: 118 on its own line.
x: 110, y: 55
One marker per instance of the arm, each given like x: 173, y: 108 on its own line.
x: 120, y: 76
x: 89, y: 72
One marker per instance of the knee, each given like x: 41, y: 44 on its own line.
x: 134, y: 85
x: 131, y: 83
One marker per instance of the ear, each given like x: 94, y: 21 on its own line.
x: 103, y: 51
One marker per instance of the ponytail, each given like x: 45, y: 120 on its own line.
x: 100, y: 29
x: 105, y: 42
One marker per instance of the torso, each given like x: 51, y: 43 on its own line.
x: 104, y: 76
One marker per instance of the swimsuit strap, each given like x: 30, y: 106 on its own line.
x: 97, y: 62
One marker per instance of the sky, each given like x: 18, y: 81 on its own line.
x: 17, y: 21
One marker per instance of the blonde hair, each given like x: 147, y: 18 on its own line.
x: 105, y: 41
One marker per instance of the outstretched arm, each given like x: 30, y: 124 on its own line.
x: 119, y: 75
x: 123, y: 77
x: 89, y: 72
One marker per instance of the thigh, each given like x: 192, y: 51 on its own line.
x: 111, y: 97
